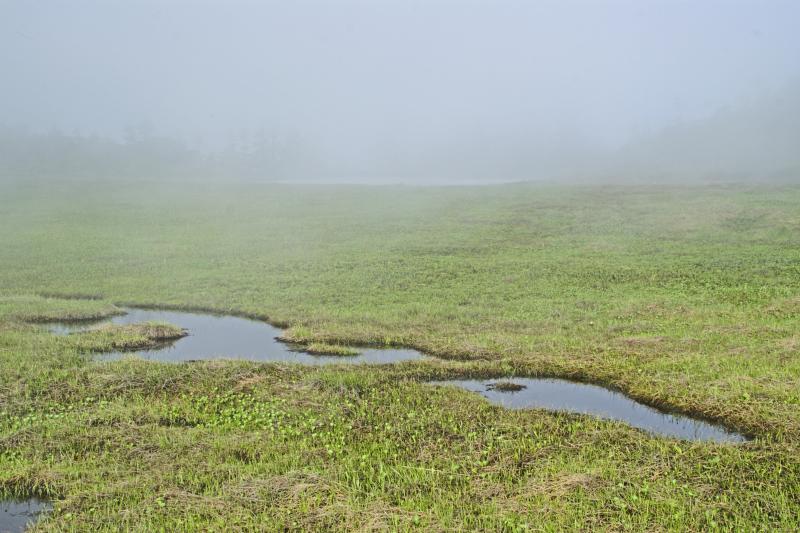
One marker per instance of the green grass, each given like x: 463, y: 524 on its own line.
x: 683, y: 297
x: 322, y: 348
x: 35, y: 308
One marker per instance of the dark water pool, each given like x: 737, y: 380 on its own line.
x: 16, y: 515
x: 562, y: 395
x: 221, y: 336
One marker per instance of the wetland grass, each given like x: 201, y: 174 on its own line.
x: 682, y: 297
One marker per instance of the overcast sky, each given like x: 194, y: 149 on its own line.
x: 348, y: 74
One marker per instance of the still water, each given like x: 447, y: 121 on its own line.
x: 562, y: 395
x: 221, y: 336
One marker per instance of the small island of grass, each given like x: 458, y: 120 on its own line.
x: 128, y: 337
x: 321, y: 348
x: 505, y: 386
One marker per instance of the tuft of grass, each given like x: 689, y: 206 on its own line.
x: 321, y: 348
x: 505, y: 386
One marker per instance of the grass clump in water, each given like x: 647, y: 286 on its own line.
x: 321, y: 348
x: 128, y: 337
x: 506, y: 386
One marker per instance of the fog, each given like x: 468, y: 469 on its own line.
x: 401, y: 91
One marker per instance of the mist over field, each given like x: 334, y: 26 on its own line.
x: 400, y: 91
x: 399, y: 265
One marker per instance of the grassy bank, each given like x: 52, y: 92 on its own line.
x: 683, y: 297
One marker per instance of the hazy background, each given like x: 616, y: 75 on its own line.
x: 401, y: 91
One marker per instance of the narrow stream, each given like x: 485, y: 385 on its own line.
x: 562, y: 395
x: 220, y: 336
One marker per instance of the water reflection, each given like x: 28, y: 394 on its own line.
x: 562, y: 395
x: 221, y: 336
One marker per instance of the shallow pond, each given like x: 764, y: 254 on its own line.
x: 221, y: 336
x: 562, y: 395
x: 16, y: 515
